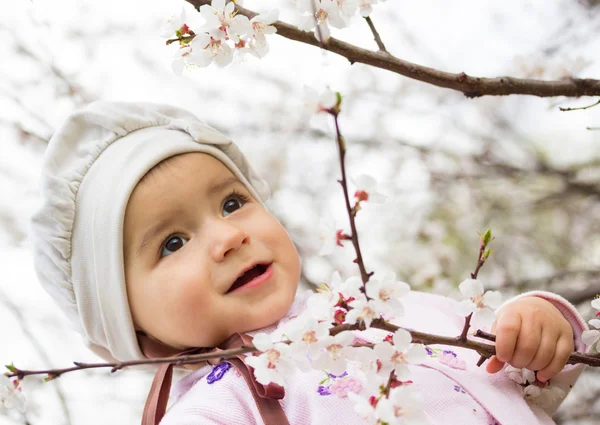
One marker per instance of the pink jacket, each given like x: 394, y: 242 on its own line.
x: 454, y: 392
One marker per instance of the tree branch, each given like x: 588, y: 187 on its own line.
x: 470, y: 86
x: 484, y: 349
x: 351, y: 211
x: 376, y: 35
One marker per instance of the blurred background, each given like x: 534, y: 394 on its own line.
x: 450, y: 166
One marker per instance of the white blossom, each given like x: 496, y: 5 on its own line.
x: 332, y: 356
x: 366, y: 189
x: 261, y: 25
x: 396, y: 357
x: 385, y: 294
x: 207, y: 48
x: 362, y: 407
x: 543, y: 396
x: 315, y: 102
x: 366, y: 7
x: 592, y: 336
x: 11, y: 396
x: 478, y: 303
x: 329, y: 236
x: 351, y: 288
x: 307, y: 334
x: 347, y: 8
x: 402, y: 407
x: 520, y: 376
x: 222, y: 17
x: 181, y: 59
x: 362, y: 311
x: 275, y: 362
x: 176, y: 22
x: 321, y: 14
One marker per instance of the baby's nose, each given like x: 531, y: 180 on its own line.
x: 226, y: 238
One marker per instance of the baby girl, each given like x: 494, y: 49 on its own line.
x: 154, y: 238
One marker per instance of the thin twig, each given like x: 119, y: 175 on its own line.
x: 351, y: 212
x: 17, y: 313
x: 580, y: 108
x: 376, y: 35
x: 480, y: 262
x: 470, y: 86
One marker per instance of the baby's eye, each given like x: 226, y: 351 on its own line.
x: 233, y: 202
x: 172, y: 244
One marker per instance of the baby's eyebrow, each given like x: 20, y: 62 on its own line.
x: 163, y: 224
x: 151, y: 233
x: 218, y: 187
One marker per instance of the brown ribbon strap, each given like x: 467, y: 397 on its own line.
x: 265, y: 397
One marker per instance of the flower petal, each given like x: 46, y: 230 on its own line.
x: 402, y: 339
x: 483, y: 318
x: 471, y: 288
x: 465, y: 307
x: 492, y: 299
x: 590, y: 337
x: 595, y: 323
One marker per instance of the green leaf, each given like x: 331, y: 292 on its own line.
x: 487, y: 253
x: 11, y: 367
x: 487, y: 237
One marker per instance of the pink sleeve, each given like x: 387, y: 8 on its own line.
x: 569, y: 375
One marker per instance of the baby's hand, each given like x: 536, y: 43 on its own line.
x: 531, y: 333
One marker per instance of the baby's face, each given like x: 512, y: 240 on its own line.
x: 191, y: 230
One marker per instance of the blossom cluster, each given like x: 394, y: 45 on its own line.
x: 223, y: 33
x: 592, y: 337
x: 535, y: 392
x: 362, y: 370
x: 11, y: 395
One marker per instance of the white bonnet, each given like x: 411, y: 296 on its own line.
x: 91, y: 166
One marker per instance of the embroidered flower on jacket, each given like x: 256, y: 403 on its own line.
x: 325, y: 386
x: 322, y: 390
x: 459, y: 389
x: 447, y: 357
x: 343, y: 386
x: 452, y: 361
x: 218, y: 372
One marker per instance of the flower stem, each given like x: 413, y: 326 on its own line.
x: 344, y: 182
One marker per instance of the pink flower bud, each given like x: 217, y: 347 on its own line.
x: 339, y: 316
x: 373, y: 400
x: 339, y: 236
x: 361, y: 195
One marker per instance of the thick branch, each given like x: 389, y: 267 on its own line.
x: 470, y: 86
x: 486, y: 350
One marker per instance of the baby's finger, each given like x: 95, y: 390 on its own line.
x: 528, y: 343
x: 564, y: 347
x: 545, y: 352
x: 508, y: 327
x: 494, y: 365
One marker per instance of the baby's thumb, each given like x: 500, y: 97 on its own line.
x: 494, y: 365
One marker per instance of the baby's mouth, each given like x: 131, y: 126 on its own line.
x: 248, y: 276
